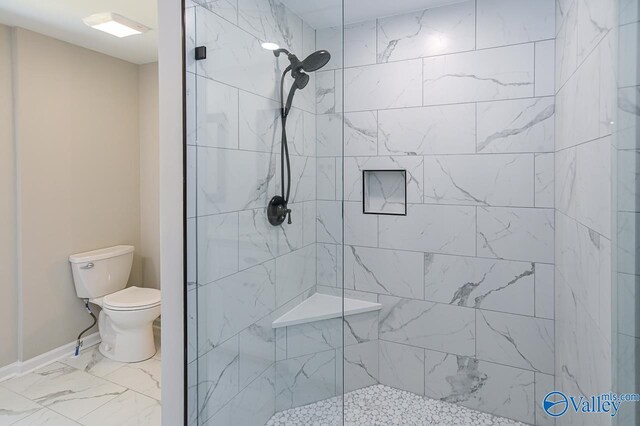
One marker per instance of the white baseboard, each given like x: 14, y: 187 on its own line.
x: 19, y: 368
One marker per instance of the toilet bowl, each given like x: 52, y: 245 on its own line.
x: 126, y: 323
x: 126, y: 320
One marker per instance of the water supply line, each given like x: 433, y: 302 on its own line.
x: 95, y: 320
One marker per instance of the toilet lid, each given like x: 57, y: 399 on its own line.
x: 133, y: 298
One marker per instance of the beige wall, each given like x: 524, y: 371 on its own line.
x: 149, y: 174
x: 78, y: 173
x: 8, y: 282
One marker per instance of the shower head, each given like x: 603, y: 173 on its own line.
x: 311, y: 63
x: 316, y: 60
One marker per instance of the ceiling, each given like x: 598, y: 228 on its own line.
x: 62, y: 19
x: 328, y: 13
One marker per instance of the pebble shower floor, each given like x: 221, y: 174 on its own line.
x: 381, y: 405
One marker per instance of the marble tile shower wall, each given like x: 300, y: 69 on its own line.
x: 628, y: 208
x: 586, y: 44
x: 462, y: 97
x: 242, y: 272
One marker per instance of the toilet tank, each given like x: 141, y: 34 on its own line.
x: 100, y: 272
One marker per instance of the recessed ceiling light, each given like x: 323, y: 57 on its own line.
x: 270, y: 46
x: 115, y: 24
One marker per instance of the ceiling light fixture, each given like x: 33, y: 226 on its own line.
x: 270, y: 46
x: 114, y: 24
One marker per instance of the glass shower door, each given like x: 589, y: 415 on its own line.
x: 247, y: 363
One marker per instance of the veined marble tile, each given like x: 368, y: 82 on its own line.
x: 326, y: 92
x: 327, y: 264
x: 240, y: 60
x: 190, y: 39
x: 46, y: 417
x: 309, y: 132
x: 314, y: 337
x: 427, y: 325
x: 143, y: 377
x: 260, y: 241
x: 93, y: 362
x: 447, y: 129
x: 580, y: 347
x: 499, y: 285
x: 217, y: 237
x: 329, y: 135
x: 330, y: 39
x: 360, y: 328
x: 515, y: 340
x: 271, y: 21
x: 303, y: 178
x: 566, y: 41
x: 583, y: 187
x: 522, y: 125
x: 308, y: 221
x: 295, y: 273
x: 128, y: 408
x: 303, y: 380
x: 503, y: 22
x: 256, y: 350
x: 227, y: 9
x: 216, y: 114
x: 544, y: 385
x: 628, y: 71
x: 430, y: 228
x: 360, y: 366
x: 544, y: 180
x: 63, y: 389
x: 192, y: 325
x: 360, y: 133
x: 360, y: 44
x: 390, y: 85
x: 260, y: 128
x: 583, y: 260
x: 230, y: 180
x: 516, y: 233
x: 391, y: 272
x: 595, y: 19
x: 545, y: 290
x: 326, y: 175
x: 234, y: 303
x: 483, y: 75
x: 578, y: 106
x: 359, y: 228
x: 628, y: 118
x: 485, y: 180
x: 217, y: 378
x: 492, y: 388
x: 628, y: 244
x: 295, y: 131
x: 14, y: 407
x: 545, y: 52
x: 254, y: 405
x: 400, y: 366
x: 354, y: 166
x: 435, y: 31
x: 329, y: 222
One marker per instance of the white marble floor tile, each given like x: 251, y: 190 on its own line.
x: 93, y: 362
x: 14, y: 407
x: 46, y: 417
x: 130, y: 408
x: 64, y: 389
x: 143, y: 377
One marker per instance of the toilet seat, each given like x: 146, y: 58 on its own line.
x: 132, y: 299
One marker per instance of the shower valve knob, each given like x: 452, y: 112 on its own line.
x: 289, y: 213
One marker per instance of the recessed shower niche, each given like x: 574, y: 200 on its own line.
x: 384, y: 192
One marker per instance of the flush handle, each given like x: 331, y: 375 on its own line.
x: 87, y: 266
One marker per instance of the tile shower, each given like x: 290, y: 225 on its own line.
x: 499, y: 111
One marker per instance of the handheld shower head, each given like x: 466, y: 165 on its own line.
x: 316, y: 60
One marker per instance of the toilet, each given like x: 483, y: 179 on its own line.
x: 126, y: 320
